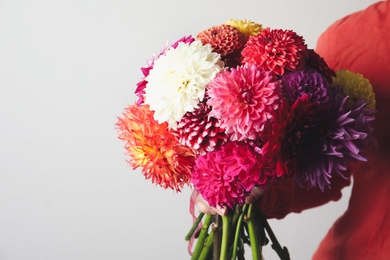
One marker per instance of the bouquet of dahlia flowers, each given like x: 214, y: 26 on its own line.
x: 241, y: 106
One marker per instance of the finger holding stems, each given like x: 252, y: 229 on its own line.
x: 205, y: 207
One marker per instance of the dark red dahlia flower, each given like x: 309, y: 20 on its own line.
x: 296, y: 138
x: 200, y: 131
x: 315, y: 61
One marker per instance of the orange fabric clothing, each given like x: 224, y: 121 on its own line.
x: 359, y: 42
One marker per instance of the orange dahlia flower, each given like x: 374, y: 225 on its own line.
x: 156, y: 149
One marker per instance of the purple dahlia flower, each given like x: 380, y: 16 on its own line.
x: 347, y: 137
x: 309, y: 82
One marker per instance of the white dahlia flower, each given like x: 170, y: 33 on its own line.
x: 178, y: 80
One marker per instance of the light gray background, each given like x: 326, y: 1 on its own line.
x: 67, y: 69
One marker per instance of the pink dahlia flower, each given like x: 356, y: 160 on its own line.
x: 226, y: 176
x: 243, y: 99
x: 276, y: 50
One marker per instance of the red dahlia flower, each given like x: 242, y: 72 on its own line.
x: 275, y: 50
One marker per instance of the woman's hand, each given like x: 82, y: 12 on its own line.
x: 203, y: 205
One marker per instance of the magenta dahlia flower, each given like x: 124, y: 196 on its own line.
x: 226, y: 176
x: 310, y: 82
x: 243, y: 99
x: 140, y: 90
x: 276, y: 50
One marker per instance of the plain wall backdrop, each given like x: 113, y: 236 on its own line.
x: 67, y: 70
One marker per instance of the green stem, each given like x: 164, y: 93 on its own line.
x: 202, y: 236
x: 217, y: 236
x: 282, y: 252
x: 238, y: 231
x: 194, y: 226
x: 237, y: 213
x: 208, y: 246
x: 225, y: 237
x: 256, y: 248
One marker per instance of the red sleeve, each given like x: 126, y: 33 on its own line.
x: 360, y: 42
x: 337, y: 45
x: 283, y: 198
